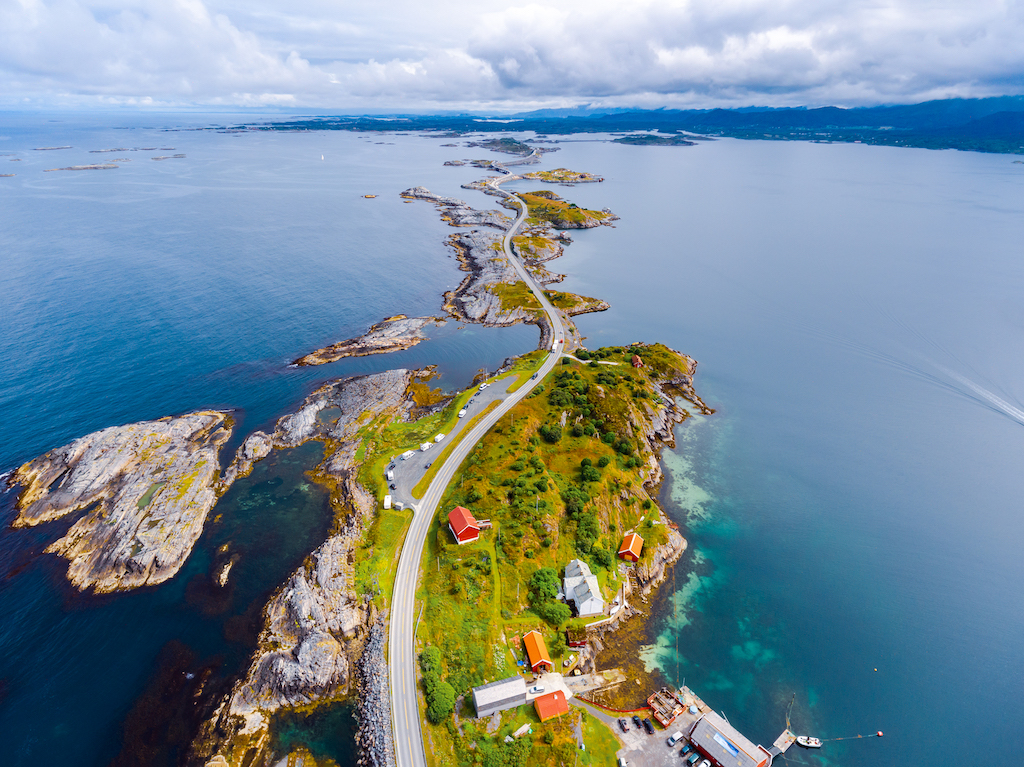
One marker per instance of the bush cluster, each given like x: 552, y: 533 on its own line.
x: 440, y: 694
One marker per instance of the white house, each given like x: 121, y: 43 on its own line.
x: 581, y: 589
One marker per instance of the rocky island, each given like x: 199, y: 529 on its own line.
x: 144, y: 491
x: 389, y: 335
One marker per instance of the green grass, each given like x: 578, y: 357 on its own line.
x: 548, y: 207
x: 516, y: 295
x: 438, y: 462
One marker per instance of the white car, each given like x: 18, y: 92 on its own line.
x: 537, y: 689
x: 462, y: 412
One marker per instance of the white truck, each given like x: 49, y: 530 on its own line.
x: 462, y: 412
x: 390, y: 475
x: 387, y: 501
x: 408, y: 454
x: 438, y: 438
x: 426, y: 446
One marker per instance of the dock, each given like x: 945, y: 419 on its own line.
x: 782, y: 743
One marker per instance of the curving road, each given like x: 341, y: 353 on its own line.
x: 405, y: 712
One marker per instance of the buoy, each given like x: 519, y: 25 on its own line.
x: 879, y: 733
x: 876, y: 669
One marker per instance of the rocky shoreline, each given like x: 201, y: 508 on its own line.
x: 145, y: 490
x: 316, y: 626
x: 391, y: 334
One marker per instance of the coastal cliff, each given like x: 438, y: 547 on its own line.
x: 146, y: 490
x: 315, y: 626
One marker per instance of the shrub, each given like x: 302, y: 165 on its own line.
x: 647, y: 503
x: 603, y: 461
x: 440, y: 702
x: 577, y: 430
x: 590, y: 474
x: 601, y: 557
x: 544, y: 584
x: 430, y: 660
x: 551, y: 434
x: 549, y: 737
x: 554, y: 613
x: 566, y: 361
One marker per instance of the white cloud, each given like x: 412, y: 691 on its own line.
x: 406, y: 54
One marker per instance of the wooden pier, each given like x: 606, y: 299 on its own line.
x: 782, y: 743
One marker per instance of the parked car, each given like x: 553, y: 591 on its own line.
x: 537, y: 689
x: 685, y: 749
x: 705, y: 763
x: 674, y: 738
x: 622, y: 762
x: 693, y: 758
x: 636, y: 721
x: 623, y: 725
x: 393, y: 486
x: 648, y: 726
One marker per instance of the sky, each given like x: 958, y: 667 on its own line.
x: 504, y: 55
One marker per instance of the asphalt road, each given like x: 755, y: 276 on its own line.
x: 402, y: 637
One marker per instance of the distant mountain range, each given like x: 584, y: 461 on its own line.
x: 981, y: 125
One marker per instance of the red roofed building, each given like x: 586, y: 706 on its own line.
x: 463, y: 525
x: 551, y: 705
x: 537, y: 651
x: 631, y: 547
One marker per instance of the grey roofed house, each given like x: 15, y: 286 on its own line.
x: 498, y: 696
x: 581, y: 588
x: 724, y: 745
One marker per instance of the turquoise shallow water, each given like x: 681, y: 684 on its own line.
x: 854, y: 504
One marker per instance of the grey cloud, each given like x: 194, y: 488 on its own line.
x: 409, y: 54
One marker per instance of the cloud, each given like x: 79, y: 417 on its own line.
x: 404, y: 54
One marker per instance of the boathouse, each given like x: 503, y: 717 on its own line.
x: 724, y: 746
x: 631, y: 547
x: 551, y: 705
x: 537, y: 651
x: 463, y: 525
x: 582, y: 590
x: 498, y: 696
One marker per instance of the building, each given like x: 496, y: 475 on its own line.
x: 665, y: 706
x: 537, y: 651
x: 582, y: 590
x: 631, y: 547
x: 576, y: 637
x: 551, y: 705
x: 636, y: 361
x: 463, y: 525
x: 498, y: 696
x: 724, y: 746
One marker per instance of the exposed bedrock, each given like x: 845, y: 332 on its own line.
x: 315, y: 626
x: 390, y: 335
x: 146, y: 489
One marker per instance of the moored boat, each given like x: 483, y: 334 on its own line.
x: 808, y: 742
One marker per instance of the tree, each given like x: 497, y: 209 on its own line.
x: 544, y: 585
x: 555, y: 613
x: 441, y: 702
x: 430, y: 660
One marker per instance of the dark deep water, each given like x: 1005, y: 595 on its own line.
x: 854, y: 504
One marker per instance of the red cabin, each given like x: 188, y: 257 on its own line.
x: 463, y: 525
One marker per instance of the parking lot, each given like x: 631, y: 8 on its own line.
x: 638, y: 748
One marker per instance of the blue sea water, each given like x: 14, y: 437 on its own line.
x: 854, y: 503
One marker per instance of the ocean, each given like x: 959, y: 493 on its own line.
x: 852, y: 505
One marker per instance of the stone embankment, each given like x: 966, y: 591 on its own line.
x: 146, y: 490
x: 390, y: 335
x: 316, y: 625
x: 375, y: 736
